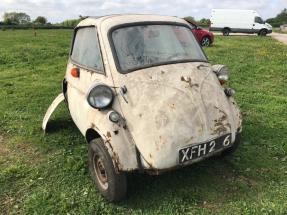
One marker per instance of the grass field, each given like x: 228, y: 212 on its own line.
x: 47, y: 174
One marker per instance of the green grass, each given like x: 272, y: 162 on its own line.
x: 47, y: 174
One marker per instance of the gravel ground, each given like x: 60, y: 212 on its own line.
x: 280, y: 37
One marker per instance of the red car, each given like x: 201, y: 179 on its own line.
x: 204, y: 37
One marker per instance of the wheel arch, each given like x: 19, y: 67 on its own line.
x: 91, y: 134
x: 122, y: 152
x: 263, y: 29
x: 65, y: 88
x: 226, y: 28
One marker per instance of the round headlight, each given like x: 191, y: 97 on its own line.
x: 222, y: 73
x: 101, y: 96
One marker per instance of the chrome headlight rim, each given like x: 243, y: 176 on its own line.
x: 222, y: 73
x: 97, y: 87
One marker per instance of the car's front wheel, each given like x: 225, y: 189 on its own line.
x: 112, y: 185
x: 226, y: 32
x: 205, y: 41
x: 262, y: 33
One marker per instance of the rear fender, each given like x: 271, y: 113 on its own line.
x: 51, y: 109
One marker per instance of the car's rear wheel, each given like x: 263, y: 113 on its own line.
x: 262, y: 33
x: 233, y: 148
x: 112, y: 185
x: 205, y: 41
x: 226, y: 32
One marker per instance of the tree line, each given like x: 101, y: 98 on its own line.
x: 21, y: 19
x: 279, y: 20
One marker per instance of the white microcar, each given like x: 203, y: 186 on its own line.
x: 143, y: 94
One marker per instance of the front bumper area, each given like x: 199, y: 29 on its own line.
x: 222, y: 152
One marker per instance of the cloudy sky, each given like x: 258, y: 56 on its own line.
x: 59, y: 10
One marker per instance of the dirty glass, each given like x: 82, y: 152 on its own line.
x: 86, y: 49
x: 147, y: 45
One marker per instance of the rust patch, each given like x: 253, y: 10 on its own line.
x: 94, y: 126
x: 221, y: 125
x: 116, y: 159
x: 109, y: 134
x: 172, y: 106
x: 115, y: 156
x: 188, y: 80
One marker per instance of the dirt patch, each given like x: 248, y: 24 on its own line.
x: 23, y: 152
x: 280, y: 37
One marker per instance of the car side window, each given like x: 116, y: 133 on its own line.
x: 86, y: 49
x: 258, y: 20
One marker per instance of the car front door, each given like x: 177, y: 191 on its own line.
x: 258, y: 24
x: 85, y: 69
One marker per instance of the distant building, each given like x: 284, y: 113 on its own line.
x: 283, y: 28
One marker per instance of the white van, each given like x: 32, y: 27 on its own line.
x: 238, y: 21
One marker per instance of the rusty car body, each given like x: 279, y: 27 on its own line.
x: 142, y: 92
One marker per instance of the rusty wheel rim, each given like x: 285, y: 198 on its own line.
x: 100, y: 172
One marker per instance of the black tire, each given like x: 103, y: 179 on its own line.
x: 226, y: 32
x: 205, y: 41
x: 233, y: 148
x: 112, y: 185
x: 262, y: 33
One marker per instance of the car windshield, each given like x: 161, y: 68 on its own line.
x: 144, y: 46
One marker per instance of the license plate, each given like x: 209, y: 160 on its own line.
x: 203, y: 149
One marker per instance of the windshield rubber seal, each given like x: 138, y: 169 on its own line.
x: 114, y: 52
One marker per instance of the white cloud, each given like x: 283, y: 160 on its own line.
x: 58, y: 10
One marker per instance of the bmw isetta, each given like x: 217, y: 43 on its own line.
x: 142, y: 92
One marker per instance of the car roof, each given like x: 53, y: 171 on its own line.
x: 110, y: 21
